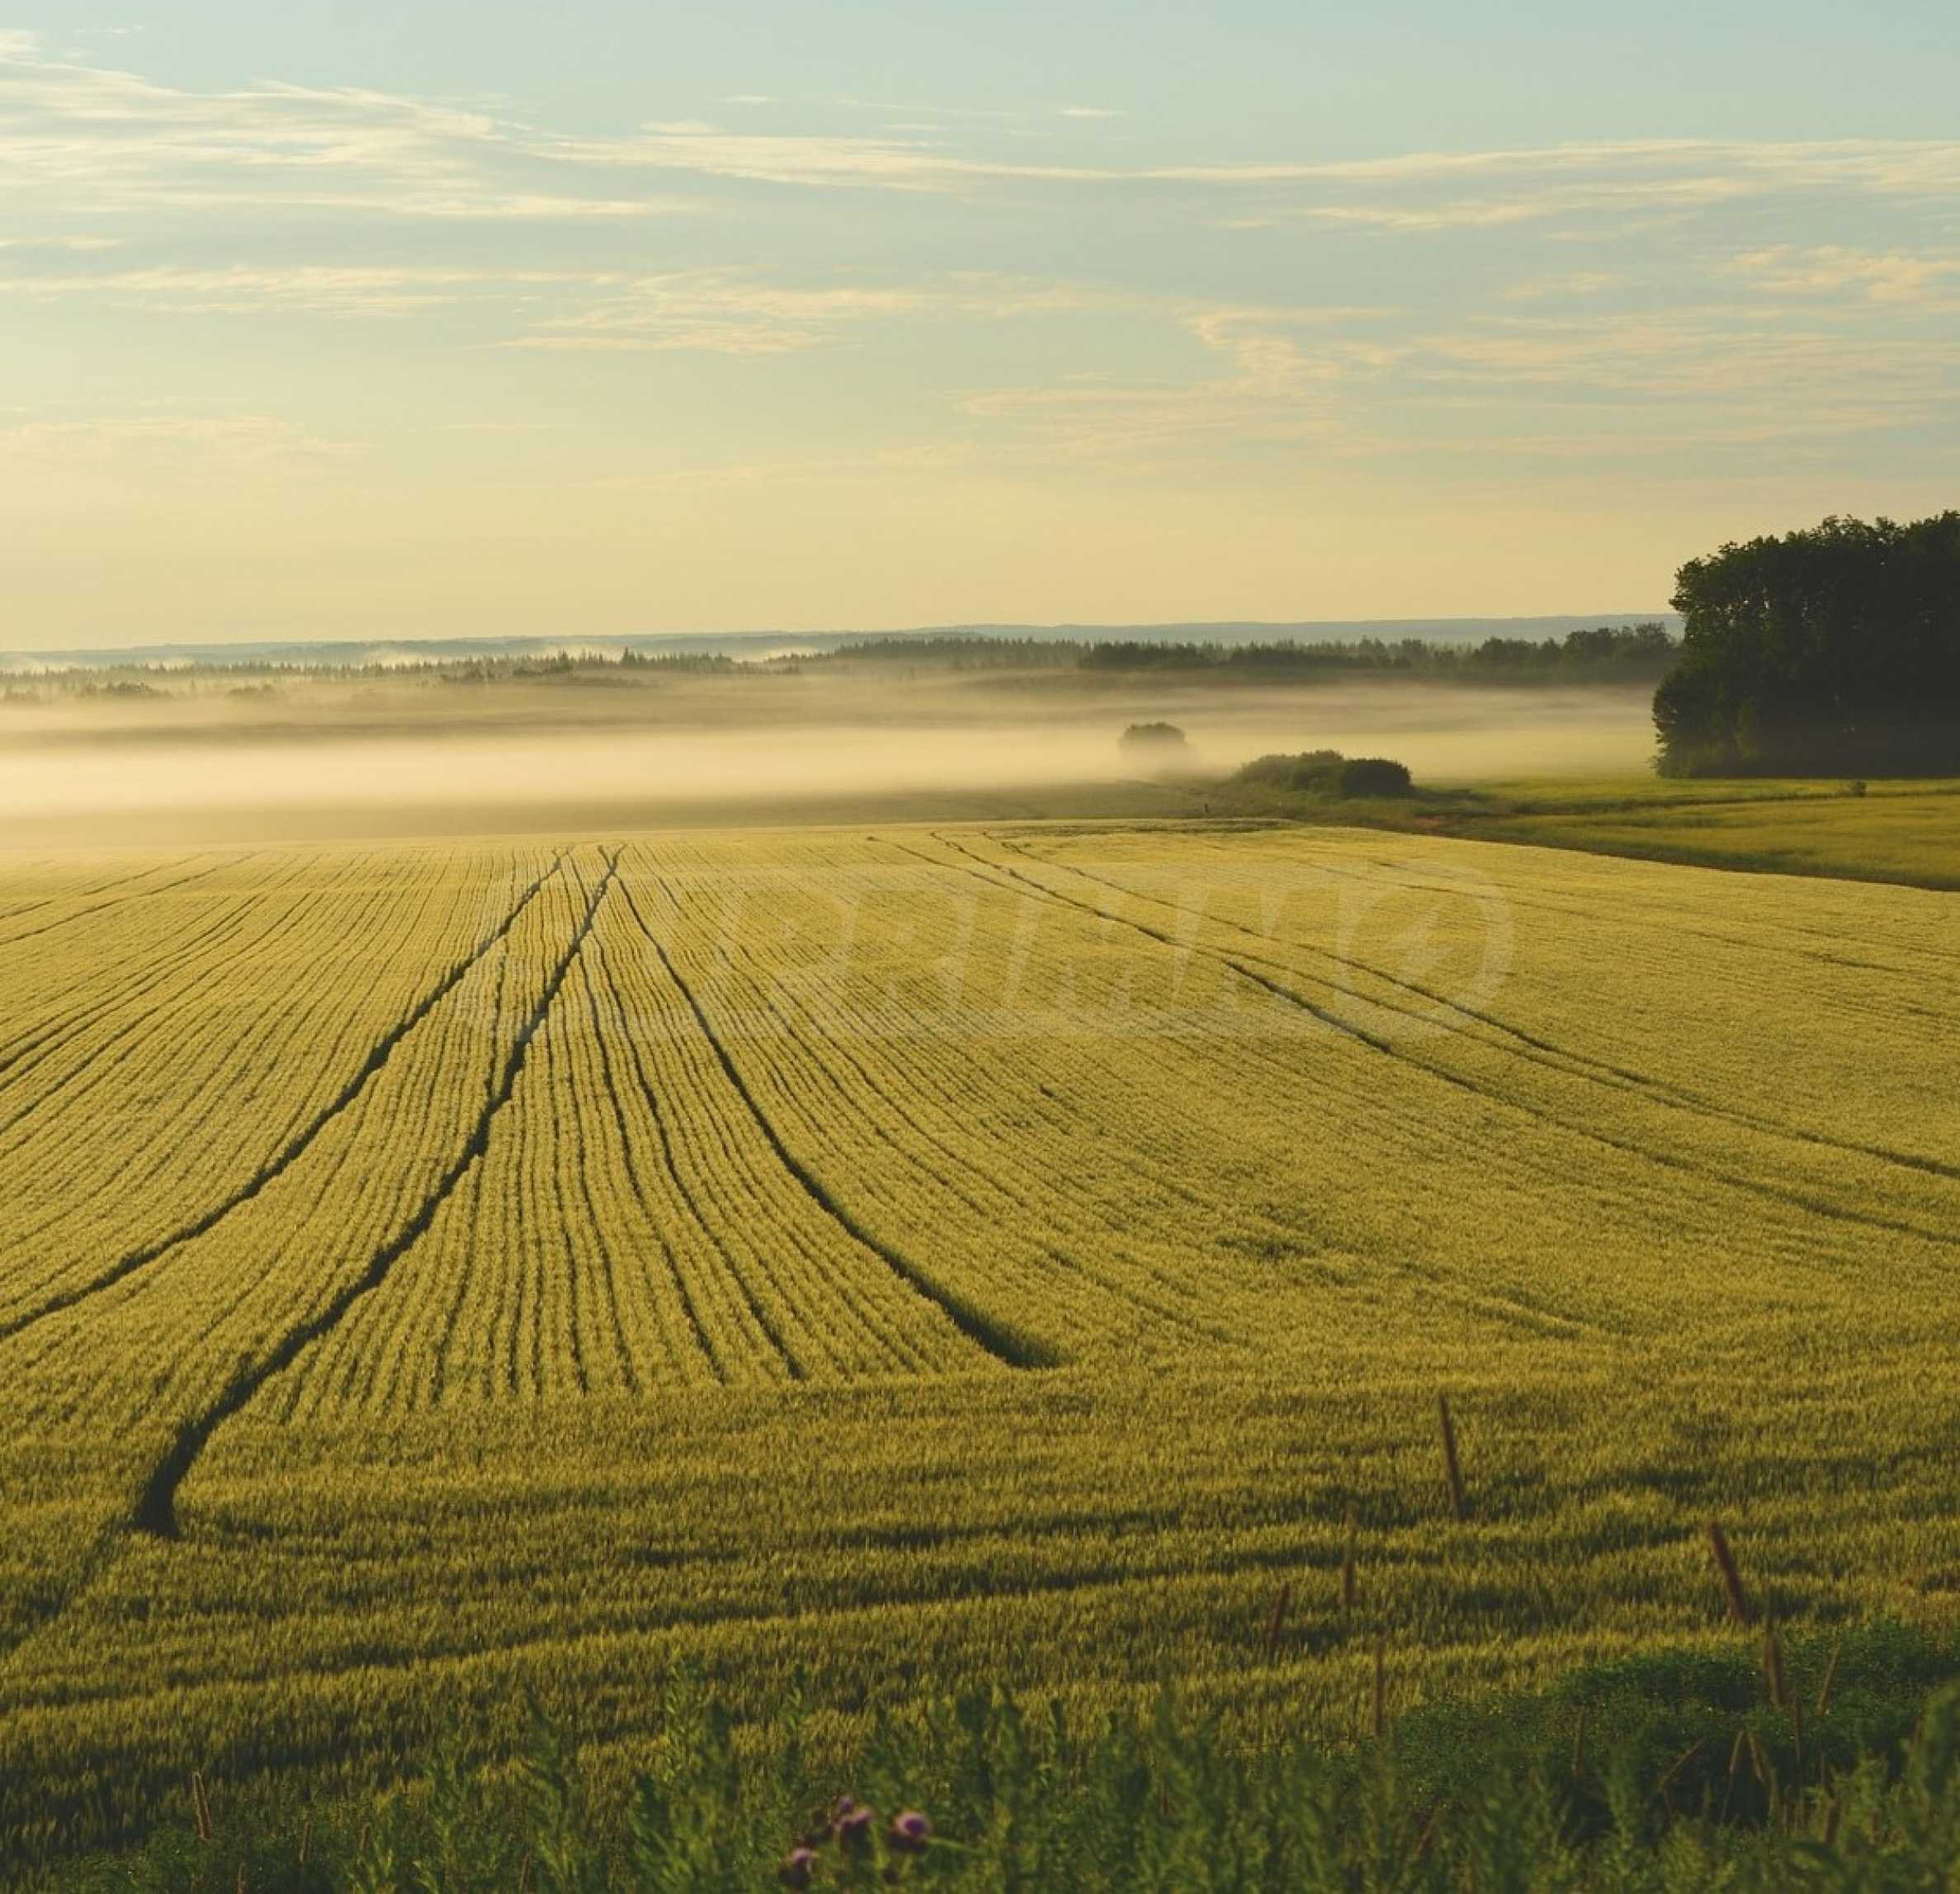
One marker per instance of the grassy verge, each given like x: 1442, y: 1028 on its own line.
x: 1832, y: 1764
x: 1905, y: 832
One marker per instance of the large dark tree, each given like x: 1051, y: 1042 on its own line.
x: 1832, y: 651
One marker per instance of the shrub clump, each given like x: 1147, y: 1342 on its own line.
x: 1374, y: 776
x: 1157, y: 750
x: 1328, y: 772
x: 1308, y: 770
x: 1153, y: 741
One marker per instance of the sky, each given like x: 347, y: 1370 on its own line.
x: 467, y: 318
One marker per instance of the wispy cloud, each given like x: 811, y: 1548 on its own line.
x: 206, y: 442
x: 715, y: 314
x: 1880, y: 276
x: 77, y: 245
x: 313, y: 288
x: 1276, y: 386
x: 111, y: 141
x: 915, y: 459
x: 1564, y: 286
x: 100, y: 143
x: 1711, y: 354
x: 1545, y: 385
x: 724, y: 314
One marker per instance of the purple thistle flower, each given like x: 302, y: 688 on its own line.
x: 910, y: 1832
x: 798, y: 1865
x: 853, y: 1831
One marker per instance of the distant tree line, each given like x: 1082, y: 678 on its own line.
x: 1629, y: 653
x: 131, y: 679
x: 1835, y: 650
x: 571, y: 667
x: 954, y: 651
x: 1623, y: 654
x: 1638, y: 654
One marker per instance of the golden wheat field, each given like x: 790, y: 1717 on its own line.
x: 856, y: 1263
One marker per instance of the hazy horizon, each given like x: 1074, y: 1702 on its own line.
x: 738, y: 640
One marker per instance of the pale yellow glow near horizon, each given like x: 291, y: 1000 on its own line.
x: 322, y: 561
x: 284, y: 359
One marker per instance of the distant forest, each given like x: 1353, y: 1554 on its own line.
x: 1636, y: 654
x: 1609, y: 654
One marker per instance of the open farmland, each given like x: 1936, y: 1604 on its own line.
x: 918, y: 1256
x: 1906, y: 831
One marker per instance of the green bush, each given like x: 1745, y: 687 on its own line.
x: 1374, y: 776
x: 1328, y: 772
x: 1307, y: 769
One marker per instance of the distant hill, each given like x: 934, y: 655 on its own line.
x: 355, y: 653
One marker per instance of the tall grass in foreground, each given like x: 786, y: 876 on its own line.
x: 1833, y: 1765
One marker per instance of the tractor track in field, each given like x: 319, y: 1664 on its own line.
x: 951, y: 1164
x: 1810, y: 1206
x: 1224, y: 1561
x: 1831, y: 954
x: 296, y: 1146
x: 616, y: 1325
x: 14, y: 914
x: 81, y: 1079
x: 1535, y: 1049
x: 27, y: 908
x: 115, y: 901
x: 207, y: 960
x: 262, y: 1041
x: 987, y: 870
x: 1403, y: 877
x: 815, y: 1284
x: 656, y: 1113
x: 58, y: 1029
x: 155, y: 1510
x: 1003, y: 1347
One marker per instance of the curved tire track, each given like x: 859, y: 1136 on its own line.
x: 116, y: 901
x: 1526, y: 1045
x: 983, y: 1334
x: 1754, y: 1187
x: 296, y: 1146
x: 155, y: 1510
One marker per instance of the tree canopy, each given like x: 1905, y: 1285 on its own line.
x: 1828, y: 651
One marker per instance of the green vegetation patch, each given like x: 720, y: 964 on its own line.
x: 1833, y: 1763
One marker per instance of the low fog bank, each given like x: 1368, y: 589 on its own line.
x: 320, y: 767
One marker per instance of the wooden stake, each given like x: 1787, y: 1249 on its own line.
x: 1452, y: 1471
x: 1732, y: 1578
x: 1277, y: 1623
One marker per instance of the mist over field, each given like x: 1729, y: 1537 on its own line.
x: 322, y: 761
